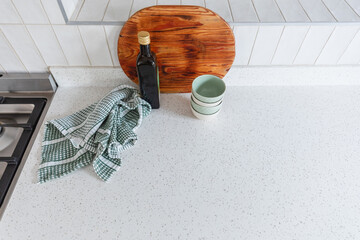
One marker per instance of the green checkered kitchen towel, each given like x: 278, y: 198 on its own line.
x: 97, y: 134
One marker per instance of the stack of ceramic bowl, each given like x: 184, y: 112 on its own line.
x: 206, y: 96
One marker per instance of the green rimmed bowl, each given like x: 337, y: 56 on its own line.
x: 205, y: 110
x: 203, y: 116
x: 208, y: 88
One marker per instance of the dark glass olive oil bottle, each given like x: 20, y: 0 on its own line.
x: 147, y: 71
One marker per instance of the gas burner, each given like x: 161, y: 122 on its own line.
x: 24, y: 100
x: 8, y: 137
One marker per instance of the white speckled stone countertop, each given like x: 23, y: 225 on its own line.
x: 278, y: 163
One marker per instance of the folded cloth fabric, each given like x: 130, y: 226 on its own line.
x: 97, y: 134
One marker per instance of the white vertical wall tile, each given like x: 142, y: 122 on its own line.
x: 168, y: 2
x: 31, y: 11
x: 2, y: 69
x: 341, y: 10
x: 289, y: 45
x: 265, y: 45
x: 313, y: 44
x: 47, y: 43
x: 112, y: 34
x: 69, y: 7
x: 292, y: 11
x: 118, y: 10
x: 355, y: 5
x: 220, y: 7
x: 337, y: 44
x: 352, y: 53
x: 244, y: 41
x: 317, y: 11
x: 8, y: 12
x: 8, y: 58
x: 243, y: 11
x: 268, y: 11
x: 53, y: 12
x: 72, y: 45
x: 93, y: 10
x: 25, y: 48
x: 96, y: 45
x: 140, y: 4
x: 193, y: 2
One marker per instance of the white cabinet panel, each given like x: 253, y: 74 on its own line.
x: 96, y: 45
x: 352, y: 53
x: 341, y: 10
x: 93, y: 10
x: 265, y: 45
x: 268, y: 11
x: 112, y: 34
x: 53, y: 11
x: 193, y: 2
x: 244, y: 41
x: 243, y: 11
x: 289, y: 45
x: 31, y: 11
x: 25, y: 48
x: 8, y: 12
x: 221, y: 8
x: 337, y: 44
x: 72, y: 45
x: 292, y: 11
x: 47, y: 44
x: 118, y: 10
x: 8, y: 58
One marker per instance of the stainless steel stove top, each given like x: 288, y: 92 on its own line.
x: 24, y: 100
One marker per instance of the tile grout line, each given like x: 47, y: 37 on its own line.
x: 108, y: 46
x: 205, y: 3
x: 53, y: 31
x: 277, y: 46
x: 231, y: 12
x: 107, y: 5
x: 27, y: 30
x: 346, y: 2
x: 257, y: 15
x: 297, y: 53
x: 331, y: 34
x: 32, y: 39
x: 280, y: 10
x: 304, y: 10
x: 82, y: 40
x: 132, y: 3
x: 78, y: 13
x: 357, y: 31
x: 2, y: 70
x: 252, y: 48
x: 329, y: 10
x: 13, y: 49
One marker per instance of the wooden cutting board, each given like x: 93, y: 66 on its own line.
x: 188, y: 41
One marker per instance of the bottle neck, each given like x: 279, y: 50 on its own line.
x: 145, y: 50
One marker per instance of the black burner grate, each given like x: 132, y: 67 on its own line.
x: 14, y: 160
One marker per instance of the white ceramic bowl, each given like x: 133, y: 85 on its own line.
x: 197, y: 101
x: 203, y: 116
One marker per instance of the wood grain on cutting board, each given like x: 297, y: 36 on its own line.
x: 188, y: 41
